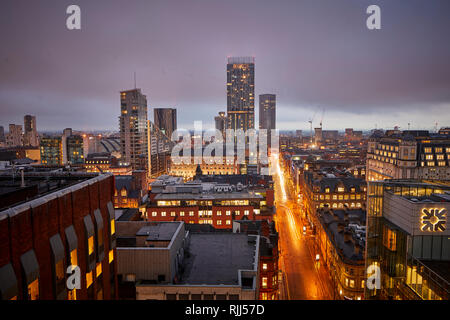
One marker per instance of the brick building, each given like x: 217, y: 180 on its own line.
x: 66, y: 219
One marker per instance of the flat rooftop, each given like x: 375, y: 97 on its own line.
x: 158, y: 232
x: 209, y: 196
x: 215, y: 258
x: 36, y: 184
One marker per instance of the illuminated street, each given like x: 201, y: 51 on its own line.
x: 300, y: 275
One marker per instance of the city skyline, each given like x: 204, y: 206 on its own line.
x: 45, y: 66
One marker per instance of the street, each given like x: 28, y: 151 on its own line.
x: 297, y: 259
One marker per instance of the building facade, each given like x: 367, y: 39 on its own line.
x: 45, y: 232
x: 14, y: 137
x: 133, y: 128
x: 408, y: 243
x: 51, y: 151
x: 267, y: 111
x: 31, y: 137
x: 166, y: 120
x: 408, y: 155
x: 241, y: 93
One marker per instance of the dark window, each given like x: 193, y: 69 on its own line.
x: 171, y: 297
x: 183, y: 296
x: 161, y: 278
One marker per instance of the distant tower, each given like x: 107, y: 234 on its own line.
x: 133, y: 128
x: 267, y: 111
x: 31, y: 137
x: 166, y: 120
x: 221, y: 123
x: 241, y: 93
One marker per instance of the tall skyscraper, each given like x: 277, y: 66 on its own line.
x: 221, y: 123
x: 241, y: 93
x: 267, y: 111
x: 166, y: 120
x: 133, y: 128
x: 31, y: 137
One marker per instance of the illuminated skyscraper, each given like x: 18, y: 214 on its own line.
x: 267, y: 111
x: 241, y: 93
x: 133, y: 128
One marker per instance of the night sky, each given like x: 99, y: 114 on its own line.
x: 314, y: 54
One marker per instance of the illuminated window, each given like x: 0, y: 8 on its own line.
x: 264, y: 296
x: 264, y: 282
x: 182, y: 214
x: 111, y: 256
x: 327, y: 190
x: 389, y: 238
x: 191, y: 213
x: 228, y: 222
x: 264, y: 266
x: 246, y: 212
x: 73, y: 257
x: 33, y: 290
x: 123, y: 192
x: 154, y: 213
x: 163, y: 214
x: 427, y: 150
x: 88, y: 279
x: 341, y: 189
x: 219, y: 222
x: 91, y: 245
x: 172, y: 214
x: 98, y: 269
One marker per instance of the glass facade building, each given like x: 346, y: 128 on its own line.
x: 241, y: 93
x: 408, y: 240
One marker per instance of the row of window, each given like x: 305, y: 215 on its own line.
x: 339, y: 205
x: 202, y: 213
x: 339, y: 197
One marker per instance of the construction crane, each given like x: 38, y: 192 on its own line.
x: 321, y: 119
x: 310, y: 123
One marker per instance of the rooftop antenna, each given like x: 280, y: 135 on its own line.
x: 409, y: 124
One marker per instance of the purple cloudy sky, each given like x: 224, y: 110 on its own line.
x: 315, y: 55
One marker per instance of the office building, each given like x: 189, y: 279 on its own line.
x: 75, y: 152
x: 133, y: 128
x: 241, y: 93
x: 267, y: 111
x: 51, y: 149
x: 159, y: 149
x: 31, y: 137
x: 166, y: 120
x: 54, y: 221
x: 408, y: 155
x: 408, y: 240
x: 197, y: 202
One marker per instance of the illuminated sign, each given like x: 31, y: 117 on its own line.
x: 433, y: 219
